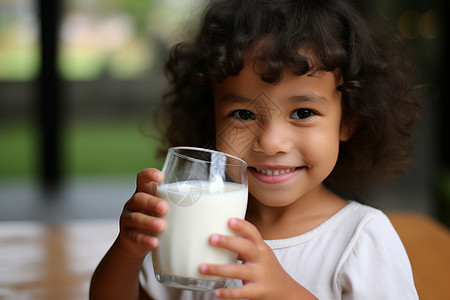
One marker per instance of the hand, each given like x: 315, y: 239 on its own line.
x: 141, y: 220
x: 262, y: 275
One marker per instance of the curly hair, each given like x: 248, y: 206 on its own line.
x: 376, y: 96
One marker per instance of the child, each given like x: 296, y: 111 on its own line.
x: 305, y: 94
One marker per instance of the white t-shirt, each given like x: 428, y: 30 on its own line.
x: 355, y: 254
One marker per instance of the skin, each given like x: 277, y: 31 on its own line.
x: 117, y: 275
x: 292, y: 127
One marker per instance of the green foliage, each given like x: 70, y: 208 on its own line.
x: 108, y: 148
x: 18, y: 150
x: 138, y: 9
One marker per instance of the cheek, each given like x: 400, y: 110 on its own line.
x: 322, y: 151
x: 328, y: 139
x: 233, y: 138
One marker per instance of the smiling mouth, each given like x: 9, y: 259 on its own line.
x: 274, y: 172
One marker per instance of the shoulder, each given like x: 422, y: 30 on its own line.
x: 364, y: 218
x: 375, y: 255
x: 362, y: 210
x: 357, y: 219
x: 370, y: 227
x: 342, y: 230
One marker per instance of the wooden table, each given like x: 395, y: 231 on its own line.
x: 51, y: 262
x: 55, y: 262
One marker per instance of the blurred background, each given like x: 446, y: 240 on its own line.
x: 79, y: 80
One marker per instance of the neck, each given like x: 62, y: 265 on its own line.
x: 299, y: 217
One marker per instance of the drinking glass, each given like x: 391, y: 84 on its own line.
x: 204, y: 188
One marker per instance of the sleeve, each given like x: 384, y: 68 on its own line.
x: 152, y: 287
x: 377, y: 265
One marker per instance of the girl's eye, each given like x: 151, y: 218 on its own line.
x: 243, y: 114
x: 302, y: 113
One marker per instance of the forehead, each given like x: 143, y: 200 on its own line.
x: 248, y: 84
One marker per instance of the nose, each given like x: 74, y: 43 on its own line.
x: 273, y: 138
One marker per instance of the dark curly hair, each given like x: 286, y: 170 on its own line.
x: 375, y: 92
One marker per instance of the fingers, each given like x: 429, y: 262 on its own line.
x: 243, y: 247
x: 143, y: 202
x: 243, y: 272
x: 143, y: 222
x: 245, y: 229
x: 240, y: 271
x: 147, y: 180
x: 144, y: 197
x: 262, y: 275
x: 142, y: 239
x: 141, y: 218
x: 140, y: 221
x: 139, y: 230
x: 238, y: 293
x: 247, y: 245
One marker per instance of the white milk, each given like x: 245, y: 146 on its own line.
x: 196, y: 211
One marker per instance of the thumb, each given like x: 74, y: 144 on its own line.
x: 147, y: 180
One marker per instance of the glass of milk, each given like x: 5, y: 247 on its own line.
x: 204, y: 188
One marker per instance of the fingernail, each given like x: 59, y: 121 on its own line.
x: 158, y: 223
x: 153, y: 242
x: 214, y: 239
x: 156, y: 176
x: 161, y: 207
x: 203, y: 268
x: 233, y: 222
x: 217, y: 293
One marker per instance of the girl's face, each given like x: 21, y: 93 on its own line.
x: 288, y: 132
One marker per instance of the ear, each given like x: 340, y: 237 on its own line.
x: 348, y: 127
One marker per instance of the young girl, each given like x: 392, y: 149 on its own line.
x: 314, y: 103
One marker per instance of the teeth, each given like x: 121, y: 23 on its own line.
x: 274, y: 172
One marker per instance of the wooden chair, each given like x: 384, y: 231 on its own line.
x: 427, y: 243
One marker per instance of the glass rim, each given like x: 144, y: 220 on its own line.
x: 173, y: 151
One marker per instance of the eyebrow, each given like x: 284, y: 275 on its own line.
x: 233, y: 98
x: 309, y: 97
